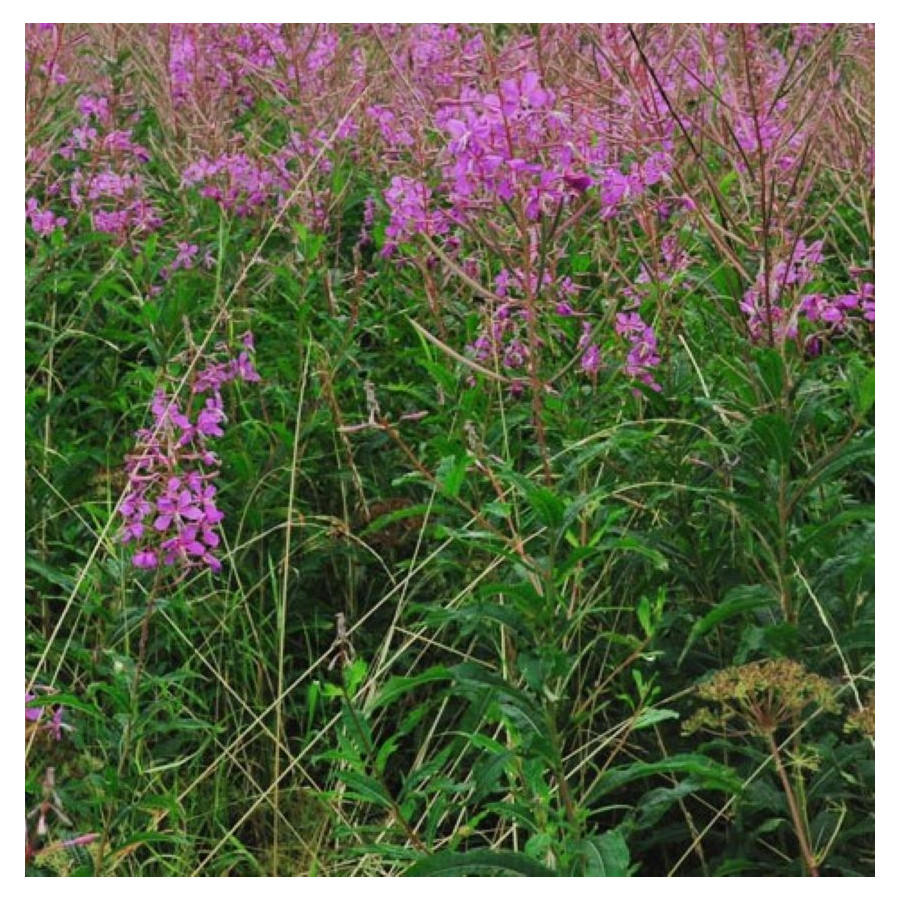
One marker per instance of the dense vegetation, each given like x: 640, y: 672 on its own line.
x: 449, y: 450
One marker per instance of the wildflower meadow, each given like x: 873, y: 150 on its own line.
x: 449, y: 450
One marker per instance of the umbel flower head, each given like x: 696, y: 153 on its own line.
x: 760, y: 696
x: 863, y: 720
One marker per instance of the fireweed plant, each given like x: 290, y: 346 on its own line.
x: 544, y: 545
x: 169, y: 507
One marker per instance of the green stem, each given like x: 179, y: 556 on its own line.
x: 809, y: 858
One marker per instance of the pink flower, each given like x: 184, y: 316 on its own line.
x: 171, y: 472
x: 32, y: 713
x: 590, y: 361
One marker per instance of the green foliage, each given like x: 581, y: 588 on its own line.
x: 478, y: 862
x: 535, y: 590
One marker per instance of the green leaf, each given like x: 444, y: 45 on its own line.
x: 524, y: 596
x: 654, y: 804
x: 514, y: 705
x: 53, y: 575
x: 488, y: 772
x: 366, y: 788
x: 604, y: 855
x: 414, y: 511
x: 69, y: 701
x: 774, y: 434
x: 710, y: 774
x: 813, y: 536
x: 451, y: 472
x: 313, y: 692
x: 388, y: 748
x: 402, y: 684
x: 865, y: 393
x: 448, y: 864
x: 854, y: 454
x: 643, y: 612
x: 781, y: 639
x: 549, y: 509
x: 497, y: 508
x: 771, y: 371
x: 727, y: 181
x: 478, y: 617
x: 636, y: 545
x: 738, y: 600
x: 354, y: 674
x: 653, y: 716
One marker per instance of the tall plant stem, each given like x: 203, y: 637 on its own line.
x: 809, y: 858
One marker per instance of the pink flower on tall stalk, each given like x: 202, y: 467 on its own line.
x: 169, y: 508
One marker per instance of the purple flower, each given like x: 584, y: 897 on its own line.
x: 579, y: 182
x: 408, y: 201
x: 868, y: 310
x: 176, y: 504
x: 209, y: 418
x: 185, y: 257
x: 32, y: 713
x: 93, y: 106
x: 515, y: 355
x: 642, y: 355
x: 243, y: 368
x: 44, y: 222
x: 590, y: 361
x: 55, y: 725
x: 172, y: 469
x: 145, y: 559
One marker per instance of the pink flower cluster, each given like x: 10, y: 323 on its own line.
x: 169, y: 507
x: 43, y: 221
x: 107, y: 180
x: 490, y: 142
x: 766, y: 309
x: 781, y: 310
x: 236, y: 182
x: 643, y: 354
x: 835, y: 315
x: 218, y: 60
x: 525, y: 145
x: 408, y: 201
x: 504, y: 337
x: 590, y: 358
x: 837, y: 312
x: 764, y: 124
x: 497, y: 144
